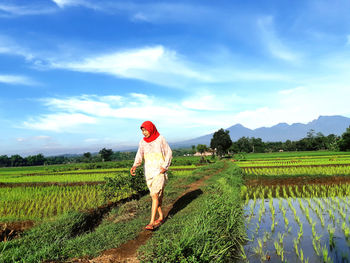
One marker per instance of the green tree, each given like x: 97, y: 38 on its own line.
x: 289, y: 146
x: 221, y: 141
x: 4, y: 161
x: 257, y: 145
x: 202, y: 148
x: 193, y: 149
x: 332, y: 142
x: 17, y: 160
x: 244, y: 145
x: 344, y: 142
x: 106, y: 154
x: 87, y: 156
x: 38, y: 159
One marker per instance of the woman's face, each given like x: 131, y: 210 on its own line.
x: 145, y: 132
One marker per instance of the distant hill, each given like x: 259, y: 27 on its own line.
x: 280, y: 132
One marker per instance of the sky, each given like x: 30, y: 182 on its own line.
x: 80, y: 75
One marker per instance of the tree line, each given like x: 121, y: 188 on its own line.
x: 39, y: 159
x: 103, y: 155
x: 221, y: 141
x: 313, y: 141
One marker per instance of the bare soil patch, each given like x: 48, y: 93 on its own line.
x: 299, y: 180
x: 296, y: 166
x: 13, y: 230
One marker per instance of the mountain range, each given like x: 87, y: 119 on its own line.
x: 280, y: 132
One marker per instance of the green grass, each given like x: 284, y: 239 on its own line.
x: 252, y: 156
x: 72, y: 234
x: 56, y: 178
x: 41, y: 176
x: 298, y: 171
x: 210, y: 229
x: 37, y: 202
x: 329, y: 160
x: 78, y: 167
x: 303, y: 164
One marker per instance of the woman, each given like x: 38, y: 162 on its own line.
x: 157, y: 154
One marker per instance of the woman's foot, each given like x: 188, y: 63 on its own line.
x: 159, y: 221
x: 150, y: 227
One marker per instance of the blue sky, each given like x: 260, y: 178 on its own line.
x: 80, y: 75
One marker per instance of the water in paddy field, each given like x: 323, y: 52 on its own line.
x: 305, y: 229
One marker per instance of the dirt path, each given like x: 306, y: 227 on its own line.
x: 127, y: 252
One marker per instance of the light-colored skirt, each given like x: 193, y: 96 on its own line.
x: 156, y: 184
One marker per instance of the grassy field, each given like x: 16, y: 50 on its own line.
x: 288, y: 155
x: 324, y: 164
x: 40, y: 202
x: 260, y: 207
x: 40, y: 192
x: 71, y: 234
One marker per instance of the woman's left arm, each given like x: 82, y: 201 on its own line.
x: 168, y: 154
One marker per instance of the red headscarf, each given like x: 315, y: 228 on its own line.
x: 151, y: 128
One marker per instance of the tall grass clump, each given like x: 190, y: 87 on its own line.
x: 45, y: 241
x: 209, y: 229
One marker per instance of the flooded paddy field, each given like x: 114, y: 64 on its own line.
x: 297, y: 221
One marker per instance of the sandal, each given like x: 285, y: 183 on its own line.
x: 149, y: 227
x: 159, y: 221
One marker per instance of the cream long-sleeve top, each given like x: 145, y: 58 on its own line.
x: 157, y: 154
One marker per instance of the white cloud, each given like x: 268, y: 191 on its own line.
x: 156, y: 64
x: 63, y: 3
x: 59, y: 122
x: 152, y: 64
x: 135, y: 106
x: 34, y: 138
x: 10, y: 47
x: 21, y: 10
x: 187, y: 118
x: 290, y: 91
x: 17, y: 80
x: 84, y: 3
x: 273, y: 43
x: 86, y: 106
x: 302, y: 104
x: 213, y: 102
x: 168, y: 12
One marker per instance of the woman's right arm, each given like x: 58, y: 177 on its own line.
x: 138, y: 159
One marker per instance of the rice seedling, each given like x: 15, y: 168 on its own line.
x: 325, y: 257
x: 331, y: 231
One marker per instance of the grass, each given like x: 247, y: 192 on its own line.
x: 86, y: 234
x: 209, y: 229
x: 41, y: 176
x: 298, y: 171
x: 305, y: 154
x: 38, y: 202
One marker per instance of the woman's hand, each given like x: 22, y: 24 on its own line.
x: 163, y: 170
x: 133, y: 171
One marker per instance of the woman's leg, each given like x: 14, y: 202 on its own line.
x: 155, y: 205
x: 160, y: 212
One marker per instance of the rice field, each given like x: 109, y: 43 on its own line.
x: 302, y: 223
x: 35, y: 195
x: 298, y: 221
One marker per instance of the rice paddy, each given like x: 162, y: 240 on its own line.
x: 36, y: 194
x: 302, y: 221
